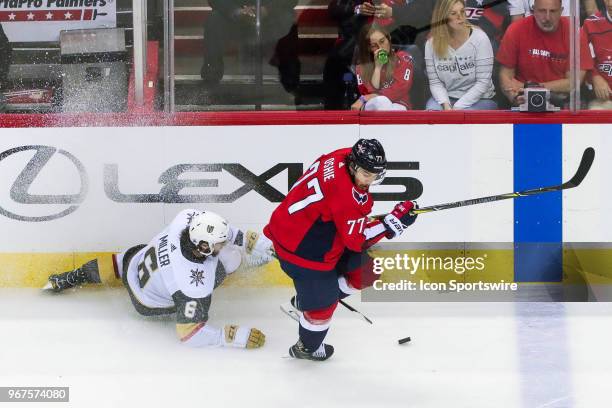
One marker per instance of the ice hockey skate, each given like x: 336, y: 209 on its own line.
x: 88, y: 273
x: 298, y: 351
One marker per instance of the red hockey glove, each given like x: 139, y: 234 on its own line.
x: 402, y: 212
x: 400, y: 218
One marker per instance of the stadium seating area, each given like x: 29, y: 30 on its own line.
x: 316, y: 35
x: 35, y: 77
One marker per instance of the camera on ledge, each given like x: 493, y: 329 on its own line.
x: 537, y: 99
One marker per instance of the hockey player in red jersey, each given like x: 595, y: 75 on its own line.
x: 320, y: 233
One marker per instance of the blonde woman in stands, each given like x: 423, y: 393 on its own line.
x: 459, y: 60
x: 384, y: 76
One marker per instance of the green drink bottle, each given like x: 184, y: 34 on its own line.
x: 383, y: 57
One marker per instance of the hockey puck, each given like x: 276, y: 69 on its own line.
x: 404, y: 340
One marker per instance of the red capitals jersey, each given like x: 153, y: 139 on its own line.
x: 539, y: 56
x: 398, y: 88
x: 598, y: 32
x: 323, y: 214
x: 490, y: 15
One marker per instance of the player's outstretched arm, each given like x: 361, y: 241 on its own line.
x: 204, y: 335
x: 193, y: 329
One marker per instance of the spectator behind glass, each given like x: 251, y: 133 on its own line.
x: 5, y: 63
x: 524, y: 8
x: 490, y: 15
x: 351, y: 16
x: 384, y: 83
x: 236, y: 19
x: 536, y: 49
x: 459, y: 60
x: 598, y: 32
x: 416, y: 14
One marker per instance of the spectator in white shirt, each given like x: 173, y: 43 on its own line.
x: 523, y: 8
x: 459, y: 60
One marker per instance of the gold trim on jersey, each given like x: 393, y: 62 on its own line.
x: 185, y: 331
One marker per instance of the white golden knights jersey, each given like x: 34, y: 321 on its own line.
x: 164, y: 276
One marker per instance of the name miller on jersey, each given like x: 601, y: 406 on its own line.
x: 162, y: 251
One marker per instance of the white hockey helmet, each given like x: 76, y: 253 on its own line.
x: 206, y: 230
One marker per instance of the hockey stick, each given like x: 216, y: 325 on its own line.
x: 585, y: 165
x: 352, y: 309
x: 290, y: 310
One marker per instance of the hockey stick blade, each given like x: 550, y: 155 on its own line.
x: 293, y: 313
x: 585, y: 165
x: 352, y: 309
x: 290, y: 311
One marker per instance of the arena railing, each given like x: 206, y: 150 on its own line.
x: 303, y: 118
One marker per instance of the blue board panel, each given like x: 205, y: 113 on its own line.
x: 538, y: 229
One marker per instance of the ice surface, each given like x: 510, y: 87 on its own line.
x: 461, y: 355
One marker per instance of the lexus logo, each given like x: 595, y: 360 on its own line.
x: 57, y: 171
x: 20, y: 190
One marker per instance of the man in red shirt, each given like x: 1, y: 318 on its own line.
x: 321, y: 230
x: 535, y: 49
x: 598, y: 32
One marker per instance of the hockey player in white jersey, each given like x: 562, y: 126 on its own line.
x: 177, y: 272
